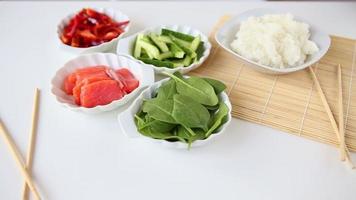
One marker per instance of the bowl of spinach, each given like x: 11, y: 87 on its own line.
x: 179, y: 112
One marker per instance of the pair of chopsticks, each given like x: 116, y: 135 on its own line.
x: 339, y: 130
x: 25, y: 168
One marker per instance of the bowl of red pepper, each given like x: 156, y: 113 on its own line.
x: 92, y: 30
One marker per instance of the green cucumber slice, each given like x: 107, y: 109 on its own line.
x: 151, y: 50
x: 187, y: 61
x: 166, y: 55
x: 178, y: 35
x: 200, y: 50
x: 160, y: 44
x: 157, y: 63
x: 137, y: 46
x: 165, y: 39
x: 177, y: 51
x: 195, y: 43
x: 187, y: 50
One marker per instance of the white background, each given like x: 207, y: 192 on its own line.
x: 87, y: 157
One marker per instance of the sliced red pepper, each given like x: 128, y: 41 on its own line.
x: 90, y: 28
x: 86, y: 34
x: 125, y: 23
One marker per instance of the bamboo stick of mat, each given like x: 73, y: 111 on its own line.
x: 32, y: 139
x: 19, y: 161
x: 343, y: 149
x: 341, y: 113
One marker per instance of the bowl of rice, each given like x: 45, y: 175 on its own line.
x: 273, y: 41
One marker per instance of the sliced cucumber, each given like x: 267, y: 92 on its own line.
x: 158, y: 63
x: 160, y: 44
x: 151, y: 50
x: 177, y: 51
x: 200, y: 50
x: 195, y: 43
x: 178, y: 35
x: 178, y: 63
x: 184, y: 62
x: 146, y: 39
x: 137, y: 47
x: 170, y: 49
x: 165, y: 39
x: 166, y: 55
x: 143, y: 54
x: 187, y: 61
x: 180, y: 41
x: 187, y: 50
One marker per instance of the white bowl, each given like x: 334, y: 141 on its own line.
x: 104, y: 47
x: 127, y: 122
x: 144, y: 74
x: 226, y: 34
x: 125, y: 46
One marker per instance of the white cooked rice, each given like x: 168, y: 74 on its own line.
x: 274, y: 40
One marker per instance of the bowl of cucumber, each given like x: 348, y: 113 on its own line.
x: 167, y: 48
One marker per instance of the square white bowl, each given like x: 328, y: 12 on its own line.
x: 143, y: 74
x: 125, y: 46
x: 226, y: 34
x: 127, y: 124
x: 116, y: 15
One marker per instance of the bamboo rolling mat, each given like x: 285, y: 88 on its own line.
x: 289, y: 102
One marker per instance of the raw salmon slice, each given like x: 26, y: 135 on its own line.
x: 69, y: 83
x: 129, y: 80
x: 99, y: 85
x: 100, y: 93
x: 99, y: 71
x: 112, y: 74
x: 91, y: 69
x: 80, y: 74
x: 77, y: 89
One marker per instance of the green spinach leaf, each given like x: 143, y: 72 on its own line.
x: 217, y: 85
x: 196, y: 88
x: 178, y: 75
x: 199, y: 135
x: 167, y: 90
x: 139, y: 119
x: 185, y: 134
x: 160, y: 109
x: 183, y: 109
x: 212, y: 108
x: 149, y: 131
x: 217, y: 119
x: 158, y: 125
x: 190, y: 113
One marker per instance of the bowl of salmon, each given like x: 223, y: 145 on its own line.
x: 99, y: 82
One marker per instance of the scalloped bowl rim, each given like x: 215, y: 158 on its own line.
x: 176, y: 144
x: 93, y: 48
x: 205, y: 39
x: 261, y: 12
x: 100, y: 108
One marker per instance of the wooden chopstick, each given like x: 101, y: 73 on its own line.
x: 32, y: 139
x: 19, y: 161
x: 342, y: 147
x: 326, y: 105
x: 341, y: 113
x: 345, y: 156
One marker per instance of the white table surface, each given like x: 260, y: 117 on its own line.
x: 87, y: 157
